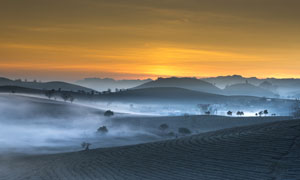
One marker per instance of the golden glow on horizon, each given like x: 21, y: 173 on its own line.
x: 139, y: 39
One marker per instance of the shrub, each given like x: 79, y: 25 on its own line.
x: 102, y: 129
x: 171, y: 134
x: 108, y: 113
x: 184, y: 131
x: 229, y: 113
x: 163, y: 127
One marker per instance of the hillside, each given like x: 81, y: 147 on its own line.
x: 282, y: 86
x: 265, y: 151
x: 186, y: 83
x: 247, y: 89
x: 162, y: 94
x: 109, y: 83
x: 43, y: 85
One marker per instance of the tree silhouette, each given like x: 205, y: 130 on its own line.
x: 184, y: 131
x: 240, y: 113
x: 108, y: 113
x: 102, y: 129
x: 266, y: 112
x: 163, y: 127
x: 64, y: 96
x: 50, y: 94
x: 86, y: 145
x: 229, y: 113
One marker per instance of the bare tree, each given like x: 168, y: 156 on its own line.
x: 86, y: 145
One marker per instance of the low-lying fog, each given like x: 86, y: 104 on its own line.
x: 32, y: 125
x: 38, y: 125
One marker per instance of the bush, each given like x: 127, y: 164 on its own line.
x: 171, y: 134
x: 102, y: 129
x: 184, y: 131
x: 108, y: 113
x: 163, y: 127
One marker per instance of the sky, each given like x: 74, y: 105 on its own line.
x: 74, y: 39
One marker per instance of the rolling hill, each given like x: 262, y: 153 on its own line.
x: 247, y: 89
x: 186, y: 83
x: 109, y: 83
x: 43, y: 85
x: 265, y: 151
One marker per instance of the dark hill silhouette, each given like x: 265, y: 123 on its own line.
x: 43, y: 85
x: 248, y: 89
x: 109, y: 83
x: 161, y: 94
x: 186, y: 83
x: 284, y: 87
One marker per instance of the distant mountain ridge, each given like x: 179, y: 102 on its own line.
x: 100, y: 84
x: 284, y: 87
x: 186, y: 83
x: 43, y: 85
x: 247, y: 89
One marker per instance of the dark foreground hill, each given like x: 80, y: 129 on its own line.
x: 266, y: 151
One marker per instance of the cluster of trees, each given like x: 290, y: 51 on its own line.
x: 264, y: 112
x: 64, y: 95
x: 67, y: 97
x: 181, y: 131
x: 239, y: 113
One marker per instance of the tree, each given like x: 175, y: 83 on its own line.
x: 229, y: 113
x: 71, y: 98
x: 260, y: 113
x: 266, y: 112
x: 163, y: 127
x: 64, y: 96
x: 207, y: 113
x: 85, y: 145
x: 240, y: 113
x: 184, y: 131
x: 49, y: 94
x: 102, y: 129
x: 108, y: 113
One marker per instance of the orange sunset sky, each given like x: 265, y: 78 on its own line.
x: 73, y: 39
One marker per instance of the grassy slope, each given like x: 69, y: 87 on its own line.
x: 265, y: 151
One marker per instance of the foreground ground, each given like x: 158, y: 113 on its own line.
x: 265, y: 151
